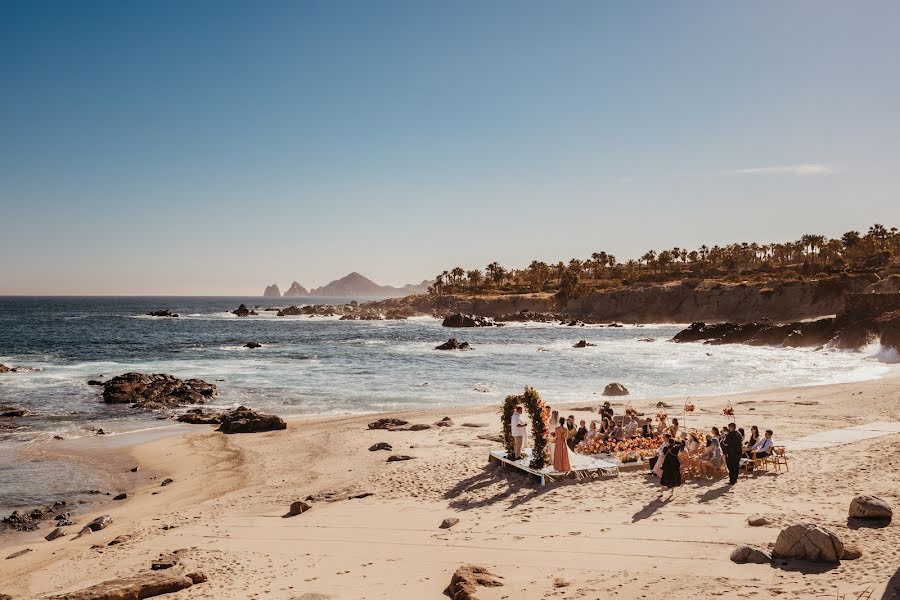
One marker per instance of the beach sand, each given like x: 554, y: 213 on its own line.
x: 599, y: 539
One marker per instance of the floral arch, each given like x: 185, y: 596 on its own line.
x: 538, y: 415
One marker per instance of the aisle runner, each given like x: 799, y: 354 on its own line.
x: 847, y: 435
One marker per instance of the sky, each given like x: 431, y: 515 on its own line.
x: 212, y: 147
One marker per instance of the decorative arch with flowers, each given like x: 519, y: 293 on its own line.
x: 532, y: 402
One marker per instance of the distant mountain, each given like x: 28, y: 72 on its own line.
x: 355, y: 285
x: 296, y: 290
x: 272, y: 291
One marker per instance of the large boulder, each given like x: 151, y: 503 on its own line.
x: 245, y: 420
x: 807, y: 541
x: 615, y: 389
x: 870, y: 507
x: 461, y: 320
x: 453, y: 344
x: 155, y: 391
x: 467, y: 579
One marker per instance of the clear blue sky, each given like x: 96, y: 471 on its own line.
x: 214, y: 147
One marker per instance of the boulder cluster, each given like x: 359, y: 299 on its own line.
x: 156, y: 391
x: 461, y: 320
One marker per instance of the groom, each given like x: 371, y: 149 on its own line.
x: 519, y: 428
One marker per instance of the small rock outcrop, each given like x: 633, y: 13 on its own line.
x: 12, y: 412
x: 449, y: 522
x: 143, y: 585
x: 298, y: 508
x: 445, y: 422
x: 245, y: 420
x: 870, y: 507
x: 197, y: 416
x: 615, y: 389
x: 387, y: 423
x: 749, y: 554
x: 466, y: 581
x: 380, y: 446
x: 166, y: 312
x: 55, y: 534
x: 807, y: 541
x: 453, y: 344
x: 243, y: 311
x: 399, y: 457
x: 582, y: 344
x: 99, y: 523
x: 156, y: 391
x: 461, y: 320
x: 252, y: 345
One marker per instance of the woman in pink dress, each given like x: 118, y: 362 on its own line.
x: 561, y: 450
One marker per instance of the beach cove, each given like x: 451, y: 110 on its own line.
x: 373, y: 527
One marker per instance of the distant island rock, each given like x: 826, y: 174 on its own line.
x: 272, y: 291
x: 355, y: 285
x: 296, y: 290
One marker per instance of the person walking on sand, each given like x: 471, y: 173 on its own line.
x: 519, y: 429
x: 733, y: 446
x: 561, y: 450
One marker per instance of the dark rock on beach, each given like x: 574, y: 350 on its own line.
x: 466, y: 581
x: 245, y: 420
x: 387, y: 423
x: 399, y: 457
x: 380, y: 446
x: 156, y: 391
x: 453, y: 344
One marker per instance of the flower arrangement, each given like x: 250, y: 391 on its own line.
x: 661, y: 416
x: 729, y: 411
x: 537, y: 411
x: 598, y: 445
x: 689, y: 407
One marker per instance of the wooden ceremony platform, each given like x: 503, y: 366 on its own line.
x: 583, y: 467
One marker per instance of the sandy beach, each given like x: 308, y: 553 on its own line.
x: 373, y: 530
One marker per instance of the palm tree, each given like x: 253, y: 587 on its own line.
x: 474, y: 278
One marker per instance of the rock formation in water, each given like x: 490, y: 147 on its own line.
x: 461, y: 320
x: 296, y: 290
x: 272, y: 291
x: 243, y: 311
x: 156, y: 391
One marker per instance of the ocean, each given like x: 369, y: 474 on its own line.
x: 321, y: 366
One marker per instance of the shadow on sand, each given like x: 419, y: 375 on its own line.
x: 514, y: 487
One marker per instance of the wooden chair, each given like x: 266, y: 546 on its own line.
x: 778, y: 459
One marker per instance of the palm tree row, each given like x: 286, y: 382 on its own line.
x: 811, y: 254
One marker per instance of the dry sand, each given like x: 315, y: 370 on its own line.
x: 600, y: 539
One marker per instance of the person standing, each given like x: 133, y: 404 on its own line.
x: 519, y: 429
x: 561, y: 450
x: 733, y: 446
x: 671, y: 467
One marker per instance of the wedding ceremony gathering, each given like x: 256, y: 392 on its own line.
x: 397, y: 300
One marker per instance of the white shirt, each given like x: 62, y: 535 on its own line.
x: 763, y: 445
x: 517, y: 426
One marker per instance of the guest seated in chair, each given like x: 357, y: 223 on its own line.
x: 763, y: 447
x: 647, y: 428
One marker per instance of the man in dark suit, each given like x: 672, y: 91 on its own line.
x: 733, y: 444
